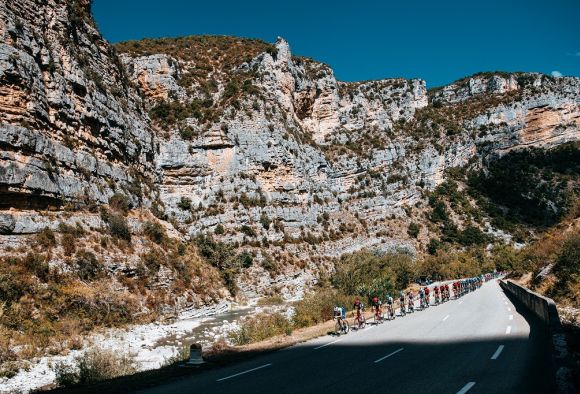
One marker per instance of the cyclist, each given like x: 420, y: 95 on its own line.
x: 359, y: 320
x: 436, y: 291
x: 402, y: 302
x: 376, y: 304
x: 341, y: 325
x: 427, y: 300
x: 390, y: 309
x: 411, y: 303
x: 421, y: 298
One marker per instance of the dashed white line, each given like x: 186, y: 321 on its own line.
x: 327, y: 344
x: 511, y: 317
x: 505, y: 302
x: 509, y: 309
x: 497, y: 352
x: 460, y: 302
x: 445, y: 318
x: 508, y: 329
x: 244, y: 372
x: 389, y: 355
x: 466, y: 388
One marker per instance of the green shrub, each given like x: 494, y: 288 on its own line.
x: 37, y: 264
x: 153, y: 260
x: 567, y: 266
x: 184, y: 204
x: 219, y: 229
x: 434, y: 245
x: 117, y: 225
x: 318, y: 307
x: 155, y: 232
x: 68, y: 242
x: 364, y: 272
x: 120, y: 202
x: 535, y: 186
x: 265, y: 221
x: 413, y: 229
x: 88, y: 267
x: 46, y: 238
x: 260, y: 327
x: 472, y: 235
x: 248, y: 230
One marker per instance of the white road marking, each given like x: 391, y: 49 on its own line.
x: 497, y: 352
x: 460, y: 302
x: 511, y: 317
x: 505, y: 302
x: 508, y: 329
x: 327, y: 344
x: 245, y: 372
x: 446, y: 317
x: 466, y: 388
x: 389, y: 355
x: 509, y: 309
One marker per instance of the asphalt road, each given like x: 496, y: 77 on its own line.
x: 480, y: 343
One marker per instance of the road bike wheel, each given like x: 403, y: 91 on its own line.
x: 337, y: 328
x: 346, y: 327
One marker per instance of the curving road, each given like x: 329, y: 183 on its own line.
x: 480, y: 343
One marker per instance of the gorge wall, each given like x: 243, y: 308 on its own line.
x: 242, y: 139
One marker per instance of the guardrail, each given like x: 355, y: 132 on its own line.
x: 545, y: 309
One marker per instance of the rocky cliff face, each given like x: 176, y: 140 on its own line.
x: 242, y: 139
x: 72, y: 126
x: 332, y: 164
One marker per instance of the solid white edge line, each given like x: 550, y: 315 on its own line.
x: 244, y: 372
x: 497, y: 352
x: 327, y: 344
x: 511, y: 317
x: 508, y: 329
x: 466, y: 388
x: 389, y: 355
x: 445, y: 318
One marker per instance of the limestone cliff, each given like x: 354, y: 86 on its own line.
x: 244, y: 140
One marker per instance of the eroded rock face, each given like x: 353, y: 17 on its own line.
x: 269, y: 149
x: 71, y: 125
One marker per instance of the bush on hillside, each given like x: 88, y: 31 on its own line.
x: 259, y: 327
x: 318, y: 307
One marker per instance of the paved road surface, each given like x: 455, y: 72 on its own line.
x: 478, y: 344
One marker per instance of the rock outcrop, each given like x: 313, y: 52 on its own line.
x: 242, y: 139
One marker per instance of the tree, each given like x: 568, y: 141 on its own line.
x: 413, y: 229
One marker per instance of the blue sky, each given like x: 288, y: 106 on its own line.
x: 438, y: 40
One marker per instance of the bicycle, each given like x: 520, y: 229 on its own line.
x: 378, y: 317
x: 341, y: 326
x: 390, y: 312
x: 402, y: 306
x: 359, y: 320
x: 411, y: 306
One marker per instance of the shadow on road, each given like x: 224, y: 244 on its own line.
x: 523, y: 366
